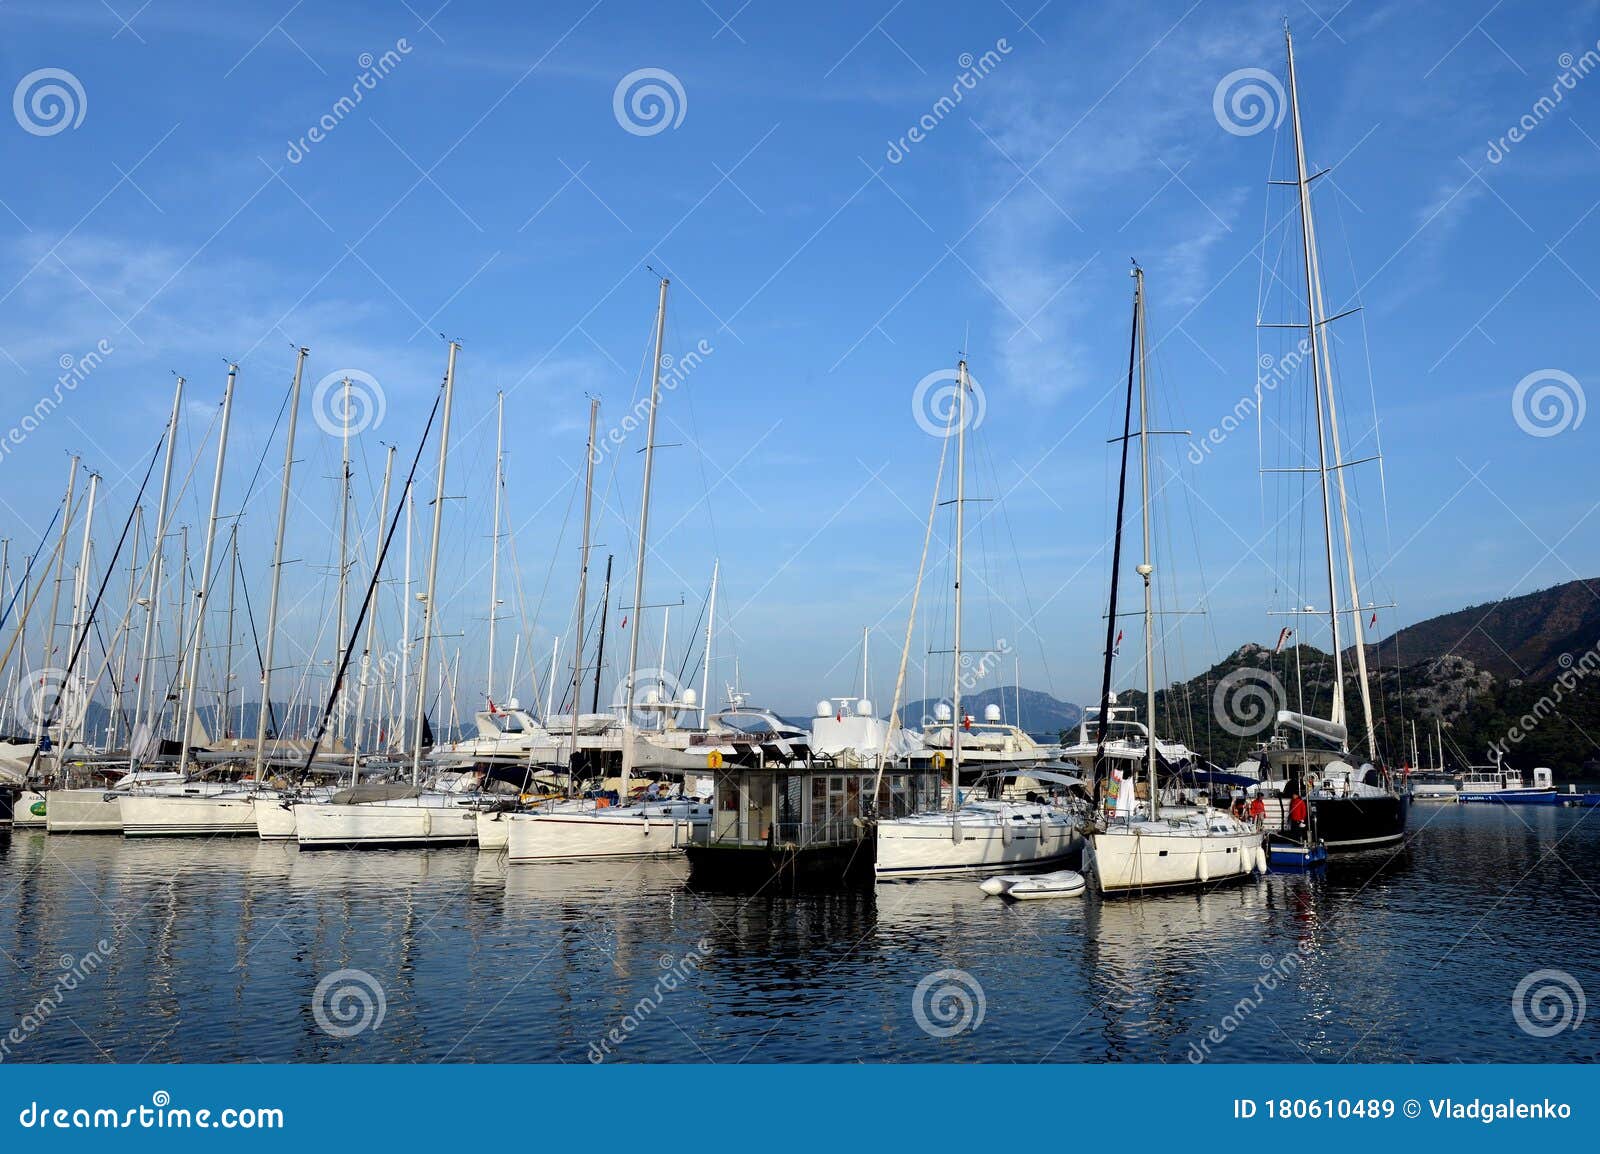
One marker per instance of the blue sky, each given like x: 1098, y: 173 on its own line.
x: 486, y: 188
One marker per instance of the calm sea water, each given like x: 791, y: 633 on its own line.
x: 216, y: 952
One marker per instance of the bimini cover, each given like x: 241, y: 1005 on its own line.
x: 1215, y: 777
x: 1049, y: 776
x: 1315, y: 726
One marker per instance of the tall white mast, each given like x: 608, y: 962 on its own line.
x: 711, y: 625
x: 1146, y: 568
x: 550, y: 685
x: 124, y: 642
x: 866, y: 693
x: 80, y: 581
x: 227, y: 664
x: 277, y: 561
x: 157, y: 555
x: 494, y: 547
x: 429, y: 607
x: 49, y: 658
x: 956, y: 718
x: 182, y: 637
x: 405, y: 618
x: 372, y: 620
x: 455, y: 677
x: 666, y: 618
x: 1319, y: 339
x: 644, y: 528
x: 1303, y: 187
x: 583, y: 581
x: 71, y: 721
x: 203, y: 587
x: 339, y: 641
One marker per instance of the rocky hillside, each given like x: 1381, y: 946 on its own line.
x: 1552, y: 721
x: 1519, y: 637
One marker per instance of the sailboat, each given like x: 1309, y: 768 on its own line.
x: 1138, y: 843
x: 85, y: 808
x: 513, y: 741
x: 383, y: 814
x: 1353, y: 804
x: 971, y: 835
x: 598, y: 829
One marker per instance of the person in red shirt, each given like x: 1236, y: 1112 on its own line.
x: 1297, y: 814
x: 1258, y: 811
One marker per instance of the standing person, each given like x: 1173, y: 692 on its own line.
x: 1258, y: 812
x: 1297, y: 815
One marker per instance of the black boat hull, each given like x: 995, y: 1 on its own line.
x: 1353, y: 824
x: 746, y: 869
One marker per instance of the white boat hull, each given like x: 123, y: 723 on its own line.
x: 318, y: 825
x: 566, y: 837
x: 152, y: 815
x: 913, y: 850
x: 494, y: 830
x: 274, y: 821
x: 82, y: 811
x: 30, y: 811
x: 1125, y: 861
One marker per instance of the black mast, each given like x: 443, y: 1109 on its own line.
x: 1116, y: 556
x: 600, y: 650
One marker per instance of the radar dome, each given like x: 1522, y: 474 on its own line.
x: 941, y: 712
x: 653, y: 697
x: 824, y: 709
x: 513, y: 703
x: 991, y: 713
x: 690, y: 698
x: 864, y: 707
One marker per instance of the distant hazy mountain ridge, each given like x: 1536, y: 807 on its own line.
x: 1041, y: 714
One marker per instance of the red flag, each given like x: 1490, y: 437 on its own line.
x: 624, y: 624
x: 492, y: 709
x: 1373, y: 622
x: 1283, y: 636
x: 1116, y: 650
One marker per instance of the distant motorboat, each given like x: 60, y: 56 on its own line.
x: 987, y: 744
x: 1499, y: 782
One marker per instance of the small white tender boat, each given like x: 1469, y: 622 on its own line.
x: 1060, y: 884
x: 1000, y: 883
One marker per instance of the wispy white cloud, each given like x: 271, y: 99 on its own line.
x: 1096, y: 145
